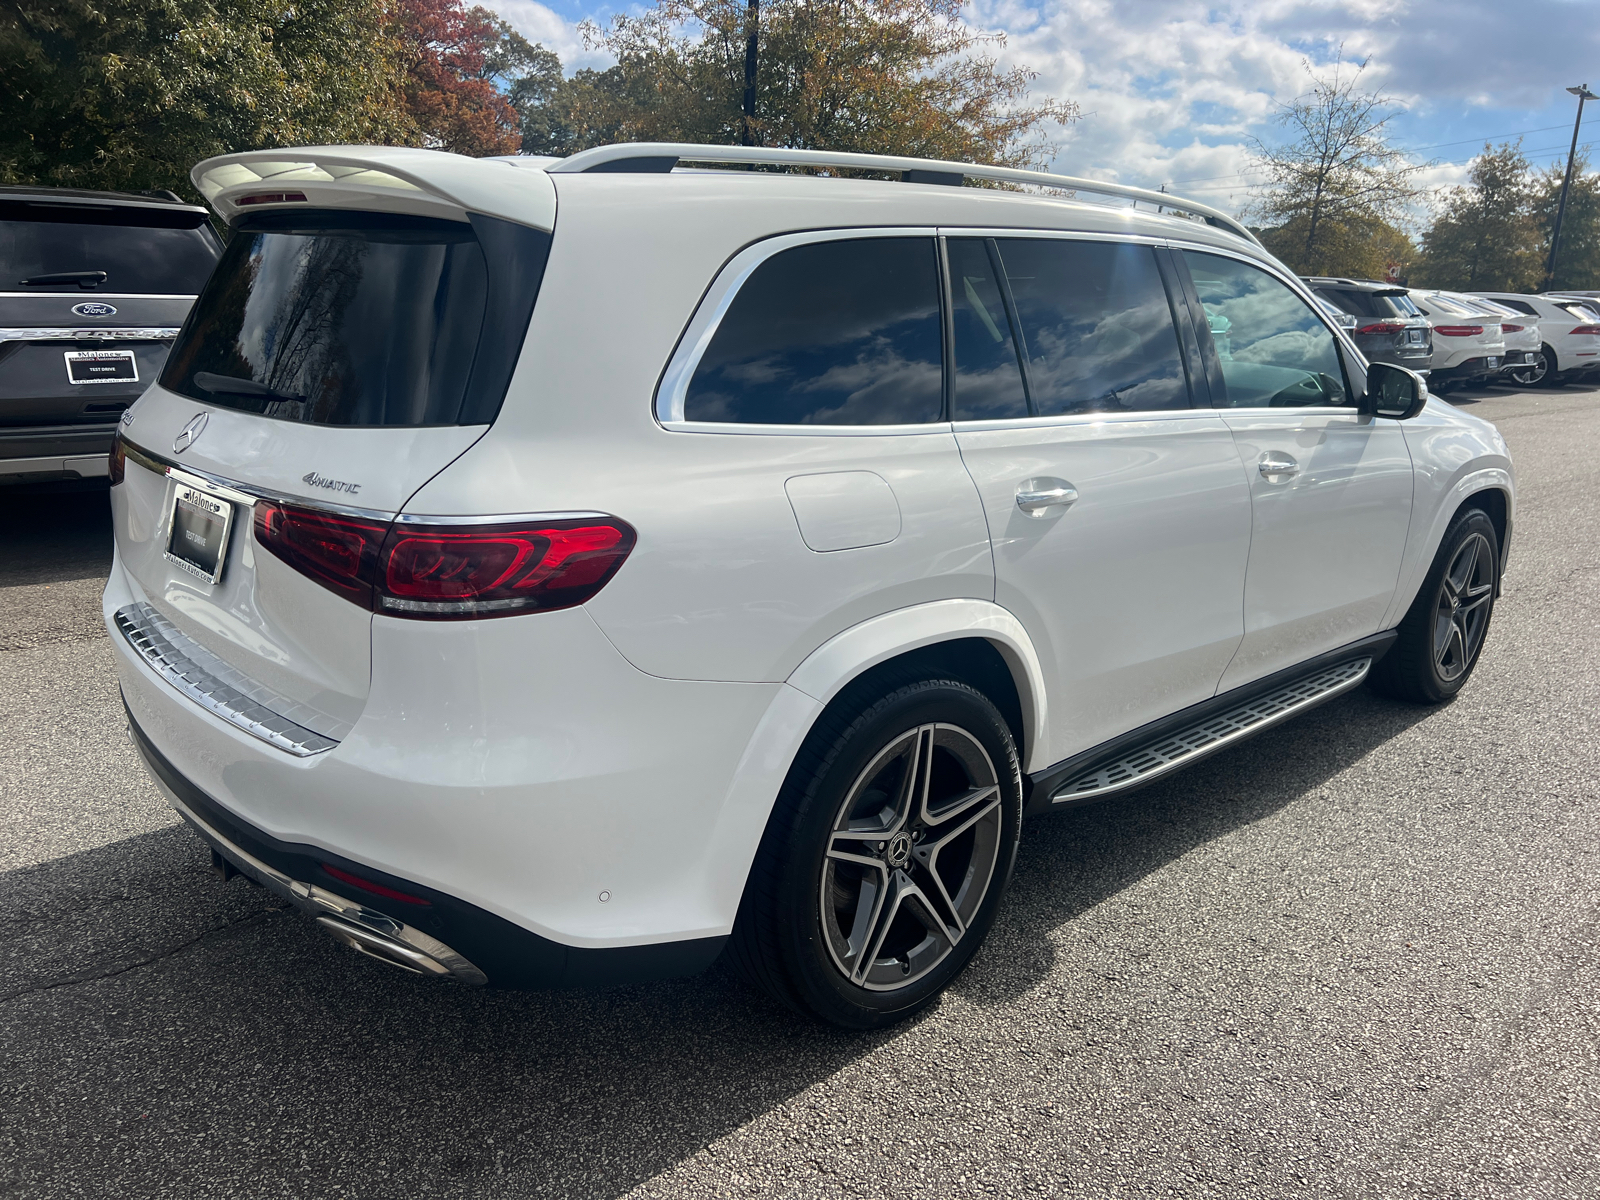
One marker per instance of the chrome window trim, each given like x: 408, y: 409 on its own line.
x: 106, y: 333
x: 1059, y: 420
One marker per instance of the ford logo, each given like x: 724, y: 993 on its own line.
x: 94, y: 310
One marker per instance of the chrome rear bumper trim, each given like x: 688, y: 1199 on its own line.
x: 219, y: 689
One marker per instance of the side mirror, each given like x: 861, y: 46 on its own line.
x: 1394, y: 392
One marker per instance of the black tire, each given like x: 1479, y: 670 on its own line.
x: 807, y: 931
x: 1443, y: 634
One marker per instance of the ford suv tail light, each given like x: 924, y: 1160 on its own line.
x: 440, y: 571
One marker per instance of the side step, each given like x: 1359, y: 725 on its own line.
x: 1140, y: 765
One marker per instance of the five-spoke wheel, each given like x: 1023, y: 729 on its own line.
x: 1443, y: 633
x: 910, y: 857
x: 886, y: 855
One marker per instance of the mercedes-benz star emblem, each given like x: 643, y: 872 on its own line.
x: 190, y: 432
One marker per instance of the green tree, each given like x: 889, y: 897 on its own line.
x: 1336, y: 183
x: 129, y: 94
x: 1578, y: 257
x: 873, y: 76
x: 1484, y: 236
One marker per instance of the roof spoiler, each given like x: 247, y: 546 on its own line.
x: 661, y: 157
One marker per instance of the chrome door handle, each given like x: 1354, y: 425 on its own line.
x: 1278, y: 464
x: 1034, y: 497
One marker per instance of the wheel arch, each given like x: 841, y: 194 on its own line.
x: 1488, y: 487
x: 981, y: 643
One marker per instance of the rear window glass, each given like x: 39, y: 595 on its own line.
x: 833, y: 333
x: 160, y: 253
x: 1522, y: 306
x: 1370, y: 304
x: 364, y: 319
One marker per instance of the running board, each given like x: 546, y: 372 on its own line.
x: 1170, y: 750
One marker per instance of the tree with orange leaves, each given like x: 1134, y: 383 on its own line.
x: 455, y: 57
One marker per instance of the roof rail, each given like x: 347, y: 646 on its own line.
x: 654, y: 157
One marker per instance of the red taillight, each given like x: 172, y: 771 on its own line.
x: 1458, y: 330
x: 447, y: 572
x: 118, y: 464
x: 1586, y: 329
x: 1382, y: 327
x: 270, y: 198
x: 450, y: 572
x: 1511, y: 329
x: 377, y: 889
x: 340, y: 553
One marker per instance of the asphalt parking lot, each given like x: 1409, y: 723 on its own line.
x: 1354, y: 957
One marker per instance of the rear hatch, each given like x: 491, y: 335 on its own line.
x: 334, y: 363
x: 1389, y: 327
x: 92, y: 292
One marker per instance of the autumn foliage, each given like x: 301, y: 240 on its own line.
x: 449, y: 78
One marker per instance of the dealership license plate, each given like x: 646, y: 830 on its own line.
x: 101, y: 366
x: 197, y: 530
x: 1494, y: 361
x: 1414, y: 337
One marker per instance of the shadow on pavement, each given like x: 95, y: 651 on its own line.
x: 166, y: 1033
x: 50, y: 535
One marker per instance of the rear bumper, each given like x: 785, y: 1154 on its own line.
x: 446, y: 937
x: 55, y: 451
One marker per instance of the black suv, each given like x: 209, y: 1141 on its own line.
x: 93, y: 288
x: 1389, y: 327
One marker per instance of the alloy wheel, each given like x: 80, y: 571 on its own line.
x: 911, y: 857
x: 1462, y: 612
x: 1534, y: 372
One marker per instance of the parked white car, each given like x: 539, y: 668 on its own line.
x: 1521, y: 335
x: 728, y: 563
x: 1468, y: 346
x: 1569, y: 337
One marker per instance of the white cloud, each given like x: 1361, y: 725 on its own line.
x: 1172, y: 91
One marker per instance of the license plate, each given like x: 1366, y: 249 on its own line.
x: 1494, y: 361
x: 197, y: 530
x: 101, y: 366
x: 1414, y: 337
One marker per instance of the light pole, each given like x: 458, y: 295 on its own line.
x: 1583, y: 93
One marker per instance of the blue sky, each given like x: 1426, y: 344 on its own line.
x: 1171, y: 91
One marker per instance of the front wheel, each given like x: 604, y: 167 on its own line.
x: 886, y: 856
x: 1443, y: 633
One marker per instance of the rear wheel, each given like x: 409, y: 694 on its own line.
x: 886, y: 856
x: 1537, y: 370
x: 1444, y: 631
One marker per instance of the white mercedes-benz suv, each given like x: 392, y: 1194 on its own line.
x: 555, y: 573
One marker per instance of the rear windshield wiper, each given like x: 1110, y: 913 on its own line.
x: 84, y: 279
x: 232, y: 385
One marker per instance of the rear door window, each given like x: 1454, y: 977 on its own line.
x: 1273, y: 349
x: 988, y: 379
x: 1096, y: 326
x: 140, y: 251
x: 368, y: 319
x: 841, y: 332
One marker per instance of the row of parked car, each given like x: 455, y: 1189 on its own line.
x: 1457, y: 339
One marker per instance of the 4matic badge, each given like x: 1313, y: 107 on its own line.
x: 331, y: 485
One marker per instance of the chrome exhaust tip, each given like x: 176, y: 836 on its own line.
x: 385, y: 949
